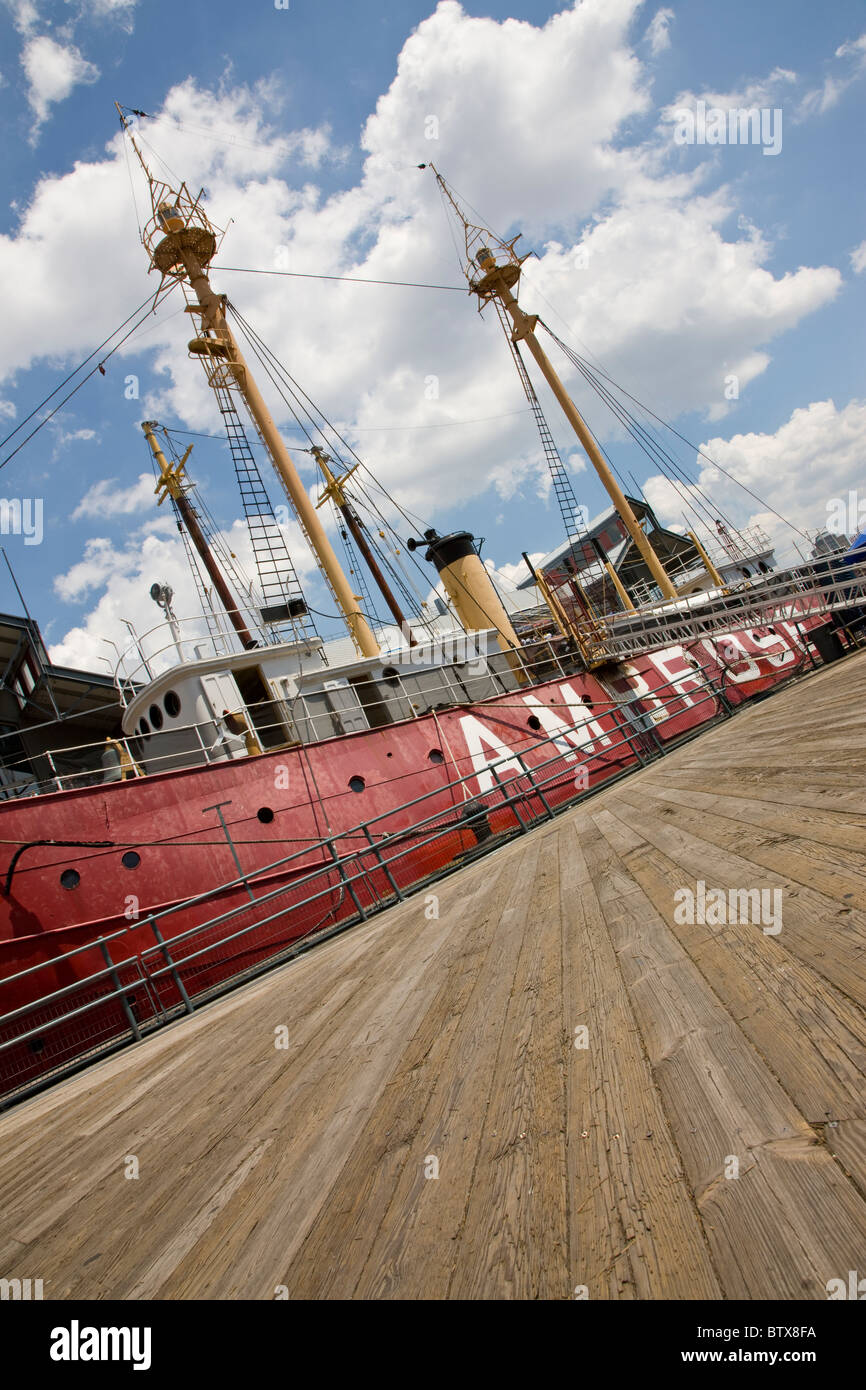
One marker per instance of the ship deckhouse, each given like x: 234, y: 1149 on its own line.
x: 212, y: 707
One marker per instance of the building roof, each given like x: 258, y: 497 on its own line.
x: 593, y: 528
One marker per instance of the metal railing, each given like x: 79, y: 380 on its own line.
x: 807, y: 592
x: 182, y: 640
x: 80, y: 765
x: 815, y: 590
x: 360, y: 871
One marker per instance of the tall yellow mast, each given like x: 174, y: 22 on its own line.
x: 497, y: 279
x: 181, y: 243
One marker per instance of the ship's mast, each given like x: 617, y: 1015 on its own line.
x: 335, y: 491
x: 497, y: 280
x: 181, y: 243
x: 171, y: 484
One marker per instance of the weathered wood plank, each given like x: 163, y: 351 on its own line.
x: 450, y: 1034
x: 393, y: 1136
x: 812, y: 1037
x: 780, y: 1216
x: 635, y: 1228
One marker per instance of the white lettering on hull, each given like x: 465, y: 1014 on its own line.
x: 478, y: 739
x: 487, y: 749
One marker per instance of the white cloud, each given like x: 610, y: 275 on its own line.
x: 122, y: 578
x: 858, y: 258
x: 53, y: 70
x: 697, y: 110
x: 53, y: 65
x: 675, y: 295
x: 516, y: 573
x: 75, y: 436
x: 820, y: 99
x: 117, y: 579
x: 668, y: 302
x: 102, y: 9
x: 120, y: 13
x: 759, y: 92
x: 99, y: 563
x: 815, y: 456
x: 25, y: 15
x: 658, y: 32
x: 107, y: 498
x: 855, y: 48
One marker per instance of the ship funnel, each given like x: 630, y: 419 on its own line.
x: 469, y: 586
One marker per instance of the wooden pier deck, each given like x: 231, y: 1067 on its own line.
x: 708, y: 1141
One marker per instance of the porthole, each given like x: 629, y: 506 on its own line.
x: 36, y: 1045
x: 436, y: 756
x: 390, y: 675
x: 534, y: 722
x: 155, y: 716
x: 265, y: 815
x: 70, y: 878
x: 357, y: 784
x: 171, y: 701
x: 144, y: 728
x: 131, y: 859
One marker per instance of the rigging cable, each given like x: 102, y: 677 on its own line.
x: 262, y: 351
x: 74, y: 372
x: 350, y: 279
x: 295, y: 389
x: 713, y: 462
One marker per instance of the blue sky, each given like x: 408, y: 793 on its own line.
x: 701, y: 261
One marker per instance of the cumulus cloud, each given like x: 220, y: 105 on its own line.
x: 52, y: 63
x: 25, y: 15
x: 121, y: 577
x: 820, y: 446
x: 671, y: 289
x: 117, y: 578
x: 107, y: 498
x: 674, y: 304
x: 52, y: 70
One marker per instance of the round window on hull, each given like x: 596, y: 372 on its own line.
x: 155, y: 716
x: 357, y: 784
x: 171, y: 702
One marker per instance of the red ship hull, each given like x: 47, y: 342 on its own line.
x: 284, y: 805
